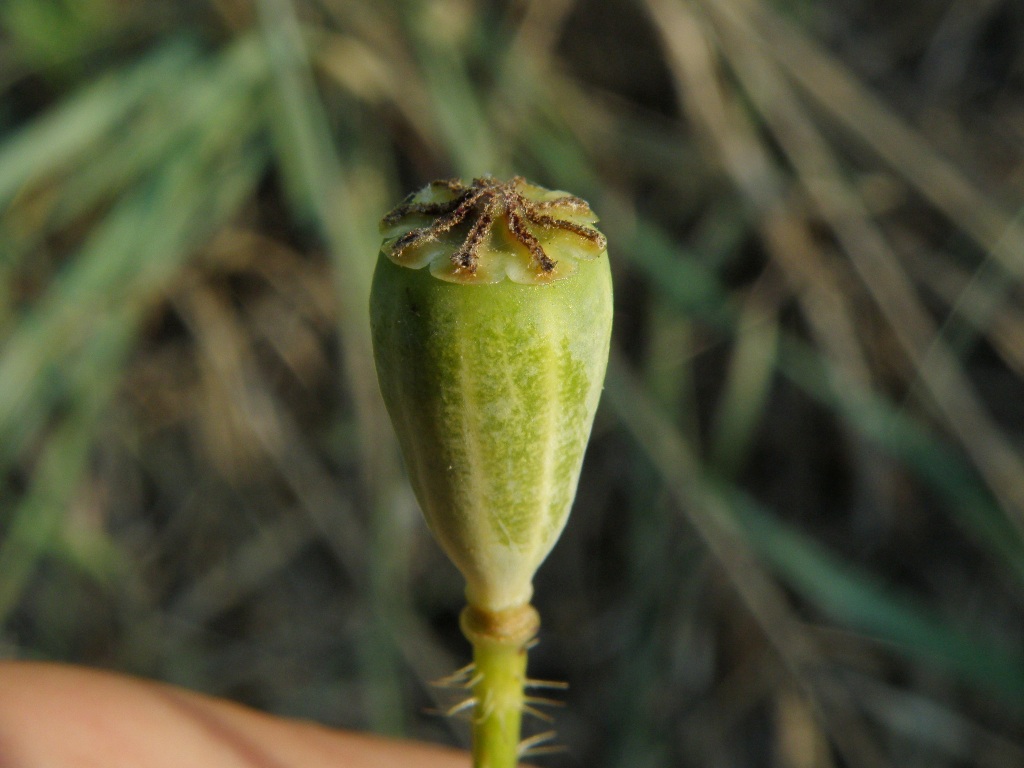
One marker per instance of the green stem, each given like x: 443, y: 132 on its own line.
x: 500, y: 643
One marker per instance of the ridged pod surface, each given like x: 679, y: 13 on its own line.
x: 491, y: 313
x: 492, y: 384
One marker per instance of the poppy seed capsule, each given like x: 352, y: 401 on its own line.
x: 491, y: 314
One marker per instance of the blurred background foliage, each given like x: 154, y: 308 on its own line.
x: 799, y: 536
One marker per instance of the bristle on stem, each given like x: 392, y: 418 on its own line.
x: 500, y: 642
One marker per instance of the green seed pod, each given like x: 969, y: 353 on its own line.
x: 491, y: 314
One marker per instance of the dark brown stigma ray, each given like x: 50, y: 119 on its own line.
x: 517, y: 227
x: 575, y: 204
x: 482, y: 203
x: 587, y: 233
x: 450, y: 220
x: 532, y: 213
x: 568, y: 201
x: 466, y: 256
x: 408, y: 208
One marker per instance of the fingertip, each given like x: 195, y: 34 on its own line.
x: 68, y: 717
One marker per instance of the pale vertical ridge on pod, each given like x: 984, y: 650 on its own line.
x: 553, y: 403
x: 505, y: 366
x: 471, y: 439
x: 565, y: 450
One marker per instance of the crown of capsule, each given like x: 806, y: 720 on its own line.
x: 488, y: 230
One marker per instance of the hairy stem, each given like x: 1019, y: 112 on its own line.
x: 500, y: 641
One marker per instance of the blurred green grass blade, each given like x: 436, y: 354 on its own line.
x: 55, y: 33
x: 65, y: 132
x: 857, y: 600
x: 466, y: 133
x: 695, y: 289
x: 187, y: 103
x: 843, y: 592
x: 668, y: 372
x: 679, y: 274
x: 131, y: 254
x: 960, y: 490
x: 458, y: 108
x: 38, y: 519
x: 309, y: 164
x: 839, y: 92
x: 747, y: 387
x: 321, y: 188
x: 155, y: 230
x: 325, y: 193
